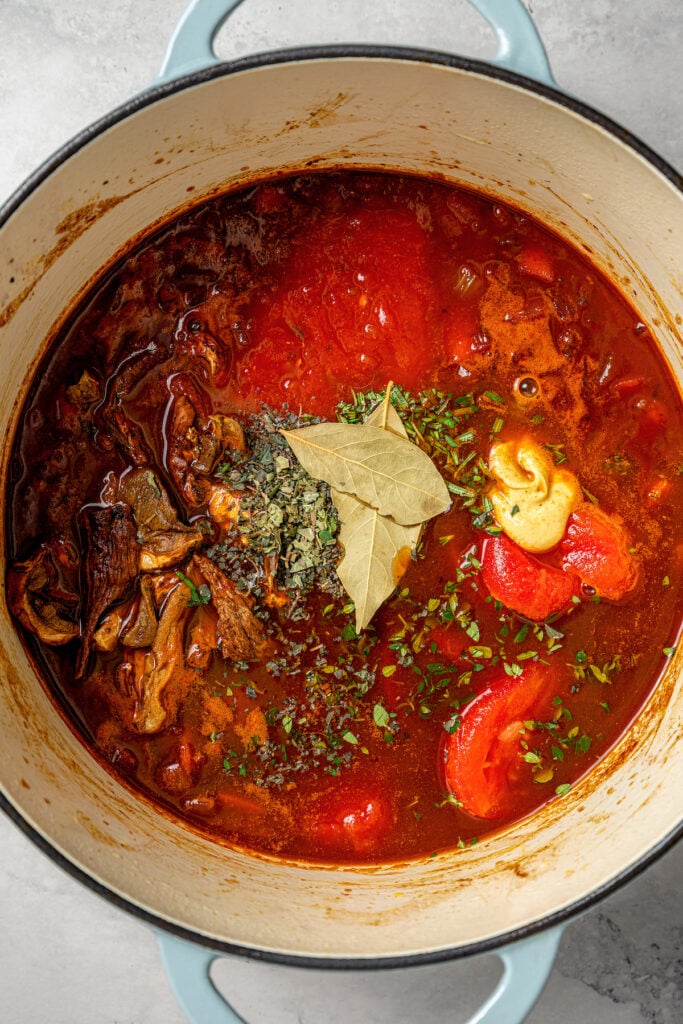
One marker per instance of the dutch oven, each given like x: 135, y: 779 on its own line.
x: 205, y: 126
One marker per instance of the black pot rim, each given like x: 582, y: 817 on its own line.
x: 148, y: 98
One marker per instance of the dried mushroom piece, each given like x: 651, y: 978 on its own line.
x: 211, y: 440
x: 111, y: 565
x: 228, y: 431
x: 128, y: 435
x: 195, y: 444
x: 160, y: 549
x: 163, y: 663
x: 202, y: 641
x: 142, y: 630
x: 164, y: 540
x: 224, y: 507
x: 111, y: 416
x: 240, y: 636
x: 181, y: 447
x: 33, y: 599
x: 85, y: 391
x: 106, y: 636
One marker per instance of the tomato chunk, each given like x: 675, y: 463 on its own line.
x: 653, y: 421
x: 354, y: 822
x: 483, y: 758
x: 626, y: 387
x: 451, y: 641
x: 362, y: 274
x: 523, y: 583
x: 465, y: 343
x: 536, y: 262
x: 596, y: 547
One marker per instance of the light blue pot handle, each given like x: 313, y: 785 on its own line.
x: 520, y: 47
x: 527, y: 966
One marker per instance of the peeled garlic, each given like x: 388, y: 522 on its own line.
x: 532, y: 497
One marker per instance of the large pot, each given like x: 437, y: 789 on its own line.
x: 219, y: 125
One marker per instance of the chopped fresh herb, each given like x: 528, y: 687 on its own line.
x: 380, y: 716
x: 452, y: 725
x: 472, y: 630
x: 557, y: 452
x: 493, y: 397
x: 198, y: 594
x: 349, y: 632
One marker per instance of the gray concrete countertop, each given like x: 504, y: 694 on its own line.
x: 66, y: 955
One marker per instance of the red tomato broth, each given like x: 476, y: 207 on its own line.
x: 297, y: 293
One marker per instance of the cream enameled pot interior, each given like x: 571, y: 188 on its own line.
x: 409, y: 115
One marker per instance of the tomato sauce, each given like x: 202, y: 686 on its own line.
x: 494, y: 677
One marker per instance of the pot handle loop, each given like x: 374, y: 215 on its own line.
x: 520, y: 47
x: 527, y: 966
x: 187, y: 968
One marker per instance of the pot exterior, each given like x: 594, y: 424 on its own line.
x: 183, y: 145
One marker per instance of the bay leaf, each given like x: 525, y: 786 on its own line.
x: 372, y: 543
x: 385, y: 416
x: 379, y: 467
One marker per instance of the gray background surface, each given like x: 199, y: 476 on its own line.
x: 67, y: 956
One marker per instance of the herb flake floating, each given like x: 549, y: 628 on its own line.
x: 286, y: 522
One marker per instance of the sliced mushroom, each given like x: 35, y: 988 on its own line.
x: 224, y: 507
x: 111, y: 416
x: 164, y: 540
x: 196, y: 442
x: 240, y: 636
x: 143, y: 628
x: 129, y: 436
x: 182, y: 447
x: 163, y: 663
x: 33, y: 600
x: 85, y: 391
x: 162, y: 584
x: 219, y: 434
x: 106, y: 636
x: 203, y: 640
x: 162, y: 548
x: 111, y: 565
